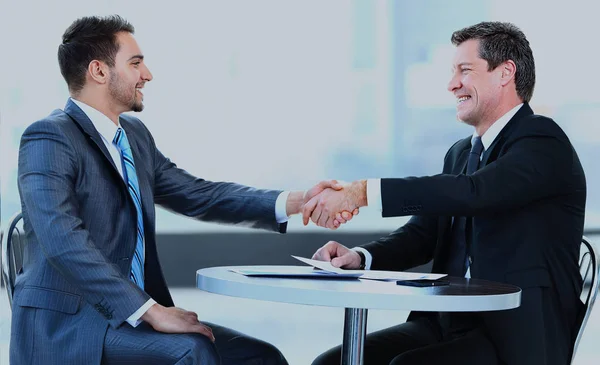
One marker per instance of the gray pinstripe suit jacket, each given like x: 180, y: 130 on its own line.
x: 80, y: 224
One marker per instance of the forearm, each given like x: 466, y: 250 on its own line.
x: 411, y: 245
x: 294, y: 202
x: 218, y: 202
x: 357, y: 193
x: 531, y: 169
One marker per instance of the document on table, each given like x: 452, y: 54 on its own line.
x: 296, y: 272
x: 371, y: 274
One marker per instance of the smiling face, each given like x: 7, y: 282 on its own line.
x: 128, y: 76
x: 478, y: 91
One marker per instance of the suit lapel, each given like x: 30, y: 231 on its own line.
x: 88, y: 128
x: 461, y: 163
x: 491, y: 152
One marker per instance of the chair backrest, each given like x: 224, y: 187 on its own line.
x: 588, y: 267
x: 13, y: 243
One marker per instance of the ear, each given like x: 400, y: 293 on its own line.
x: 98, y: 71
x: 509, y: 70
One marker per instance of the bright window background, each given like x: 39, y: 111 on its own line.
x: 282, y: 94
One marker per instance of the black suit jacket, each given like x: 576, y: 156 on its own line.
x: 527, y: 201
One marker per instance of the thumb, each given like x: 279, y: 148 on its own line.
x: 308, y: 209
x: 341, y: 261
x: 334, y: 184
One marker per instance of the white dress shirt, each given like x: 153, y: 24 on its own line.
x: 107, y: 130
x: 374, y: 185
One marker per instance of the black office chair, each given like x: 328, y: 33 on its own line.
x: 588, y: 264
x: 13, y: 243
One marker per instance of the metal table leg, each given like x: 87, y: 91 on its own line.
x: 355, y: 330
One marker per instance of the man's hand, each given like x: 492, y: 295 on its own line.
x: 175, y: 320
x: 339, y: 255
x: 324, y: 208
x: 297, y: 200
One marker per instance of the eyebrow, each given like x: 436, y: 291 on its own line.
x: 461, y: 65
x: 140, y: 56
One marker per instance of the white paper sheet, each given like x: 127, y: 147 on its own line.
x: 371, y: 274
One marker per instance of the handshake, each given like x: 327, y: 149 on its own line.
x: 329, y: 203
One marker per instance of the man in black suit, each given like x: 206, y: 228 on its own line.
x: 509, y: 207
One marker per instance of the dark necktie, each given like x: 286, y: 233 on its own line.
x: 458, y: 262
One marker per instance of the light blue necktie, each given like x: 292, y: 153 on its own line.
x: 137, y: 266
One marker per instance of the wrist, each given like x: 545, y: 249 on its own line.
x: 363, y: 260
x: 151, y: 313
x: 294, y: 202
x: 359, y: 189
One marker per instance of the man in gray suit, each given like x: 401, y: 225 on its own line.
x: 92, y: 290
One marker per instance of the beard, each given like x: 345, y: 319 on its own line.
x: 124, y: 94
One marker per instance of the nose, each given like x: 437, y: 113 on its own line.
x: 454, y: 83
x: 146, y: 74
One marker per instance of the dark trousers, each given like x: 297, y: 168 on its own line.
x: 144, y: 345
x: 423, y: 341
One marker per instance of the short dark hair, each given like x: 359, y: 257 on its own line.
x: 500, y: 42
x: 87, y: 39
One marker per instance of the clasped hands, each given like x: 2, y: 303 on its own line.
x: 330, y: 203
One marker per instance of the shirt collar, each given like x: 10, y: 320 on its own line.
x: 490, y: 135
x: 101, y: 122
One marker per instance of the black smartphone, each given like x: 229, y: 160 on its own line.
x: 423, y: 282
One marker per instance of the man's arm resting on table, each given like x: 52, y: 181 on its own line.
x: 415, y: 240
x: 367, y: 257
x: 373, y: 201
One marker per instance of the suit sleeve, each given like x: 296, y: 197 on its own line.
x: 219, y: 202
x: 410, y: 245
x: 536, y: 165
x: 47, y: 182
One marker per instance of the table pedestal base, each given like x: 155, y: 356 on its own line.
x: 355, y: 330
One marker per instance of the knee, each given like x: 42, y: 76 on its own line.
x: 331, y: 357
x: 407, y: 358
x: 272, y: 356
x: 200, y: 350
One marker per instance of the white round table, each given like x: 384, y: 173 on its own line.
x: 358, y: 295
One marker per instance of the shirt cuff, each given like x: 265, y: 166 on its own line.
x: 374, y: 194
x: 368, y: 257
x: 134, y: 320
x: 280, y: 207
